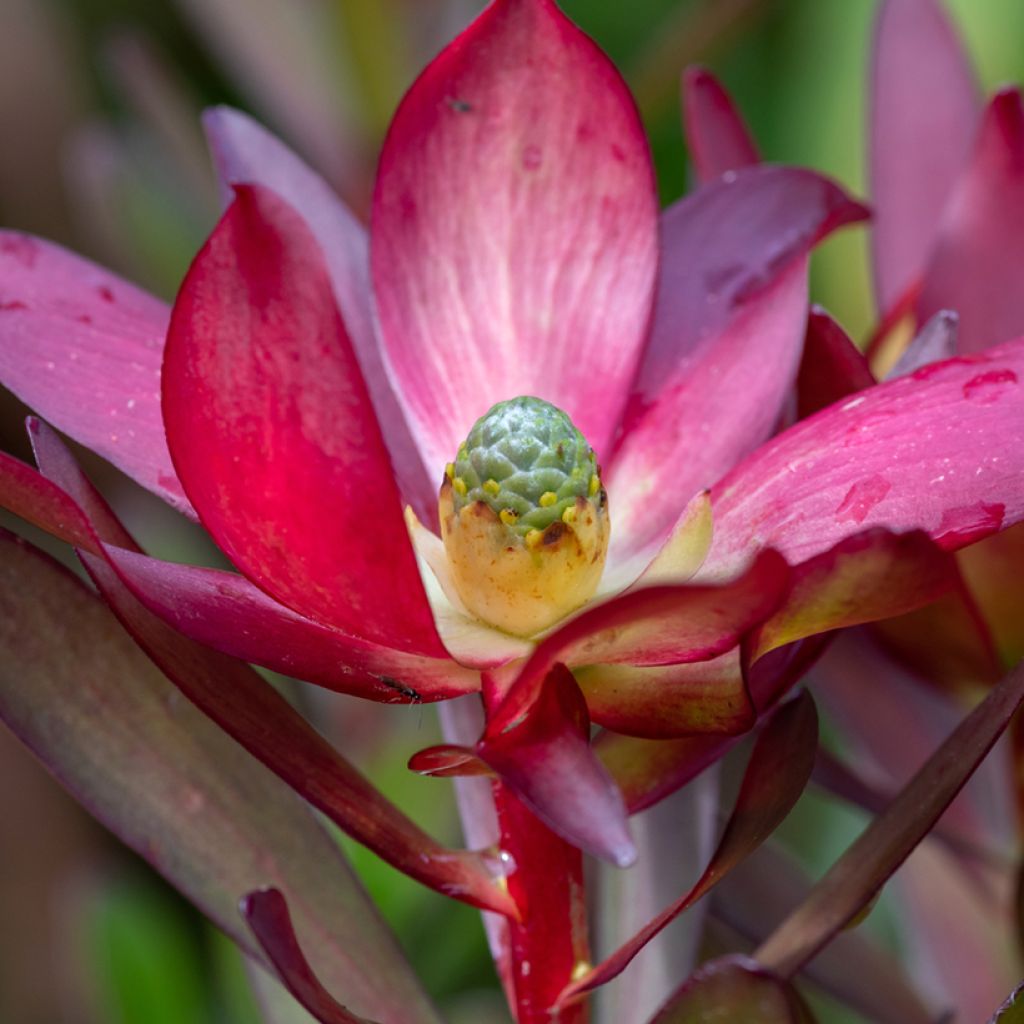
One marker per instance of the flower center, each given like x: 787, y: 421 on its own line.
x: 524, y: 517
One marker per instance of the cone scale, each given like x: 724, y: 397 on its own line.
x: 524, y: 517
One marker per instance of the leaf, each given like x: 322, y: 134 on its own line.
x: 716, y: 136
x: 244, y: 704
x: 765, y: 887
x: 925, y: 452
x: 547, y: 760
x: 851, y: 883
x: 173, y: 786
x: 660, y: 625
x: 266, y: 913
x: 867, y: 576
x: 776, y: 775
x: 831, y: 368
x: 734, y: 989
x: 274, y: 435
x: 920, y: 76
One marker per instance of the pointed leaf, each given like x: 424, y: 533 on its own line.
x: 977, y: 231
x: 716, y: 136
x: 832, y: 367
x: 871, y: 575
x: 173, y: 786
x: 653, y: 626
x: 514, y: 230
x: 547, y: 760
x: 83, y: 348
x: 856, y: 877
x: 923, y: 115
x: 725, y: 340
x: 249, y: 709
x: 246, y: 153
x: 925, y: 452
x: 228, y: 613
x: 765, y: 887
x: 274, y: 435
x: 266, y: 912
x: 779, y: 768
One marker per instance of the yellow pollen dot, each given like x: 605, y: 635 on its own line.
x: 547, y: 499
x: 581, y: 968
x: 595, y: 485
x: 569, y: 515
x: 508, y: 516
x: 459, y: 486
x: 533, y: 538
x: 492, y: 487
x: 449, y: 470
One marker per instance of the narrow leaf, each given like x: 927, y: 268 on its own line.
x: 249, y: 709
x: 776, y: 775
x: 266, y: 913
x: 851, y: 883
x: 176, y: 788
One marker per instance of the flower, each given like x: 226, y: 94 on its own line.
x: 307, y: 390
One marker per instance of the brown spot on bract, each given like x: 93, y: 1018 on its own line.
x: 554, y: 533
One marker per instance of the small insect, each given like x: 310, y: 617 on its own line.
x: 459, y: 106
x: 406, y: 691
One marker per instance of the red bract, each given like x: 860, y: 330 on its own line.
x: 309, y: 382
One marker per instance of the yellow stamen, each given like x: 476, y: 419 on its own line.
x: 595, y: 485
x: 459, y: 486
x: 533, y: 538
x: 449, y: 470
x: 492, y: 487
x: 569, y: 515
x: 508, y: 516
x: 547, y: 499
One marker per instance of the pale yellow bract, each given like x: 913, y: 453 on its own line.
x: 522, y: 585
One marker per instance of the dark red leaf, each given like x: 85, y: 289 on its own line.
x: 267, y: 914
x: 656, y: 625
x: 831, y: 368
x: 852, y: 882
x: 776, y: 775
x: 248, y: 708
x: 547, y: 759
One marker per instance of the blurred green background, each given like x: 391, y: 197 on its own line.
x: 99, y: 105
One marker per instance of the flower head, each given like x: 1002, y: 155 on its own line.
x: 514, y: 249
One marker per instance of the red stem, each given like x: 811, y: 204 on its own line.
x: 546, y: 881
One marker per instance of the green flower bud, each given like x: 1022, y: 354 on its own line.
x: 524, y: 517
